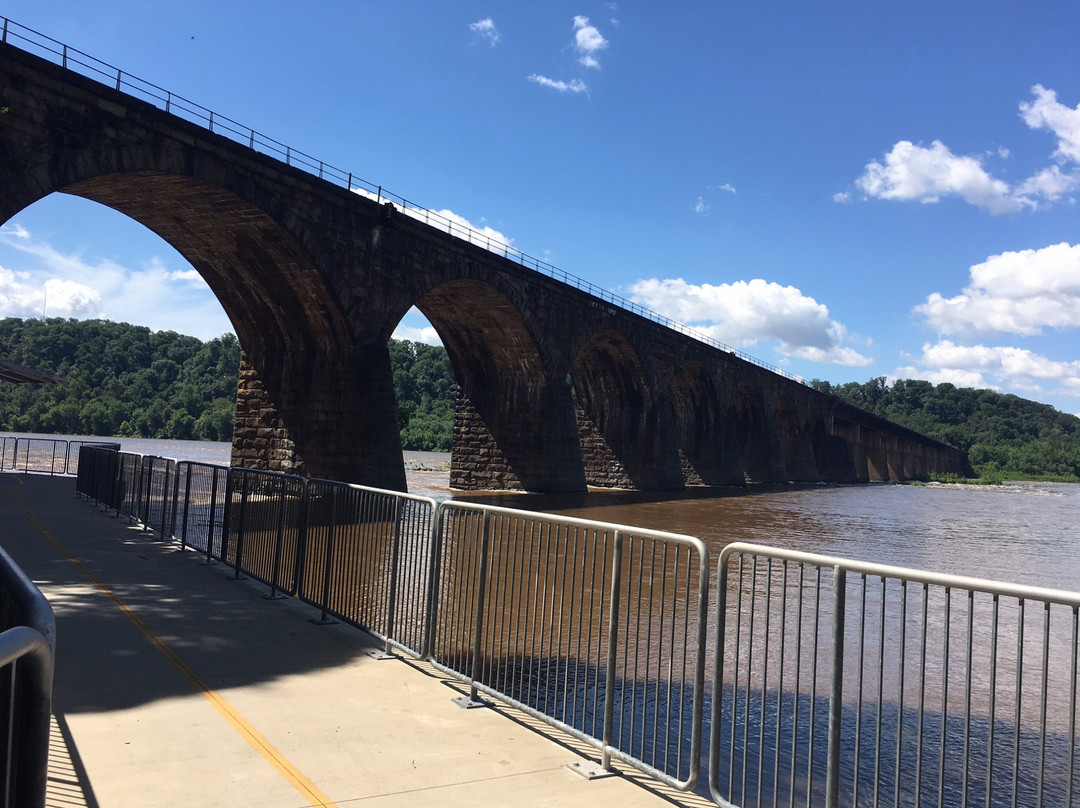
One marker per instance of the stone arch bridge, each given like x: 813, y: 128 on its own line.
x: 559, y: 389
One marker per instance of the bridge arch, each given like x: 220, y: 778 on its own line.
x: 628, y: 432
x: 695, y: 402
x: 514, y: 427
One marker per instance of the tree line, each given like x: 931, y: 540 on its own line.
x: 1005, y: 436
x: 128, y: 381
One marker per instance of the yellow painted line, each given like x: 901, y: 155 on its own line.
x: 309, y: 790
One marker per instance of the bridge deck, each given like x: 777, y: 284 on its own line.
x: 178, y: 686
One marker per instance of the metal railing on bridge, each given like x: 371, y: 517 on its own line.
x: 27, y: 645
x: 86, y: 65
x: 44, y: 455
x: 833, y: 682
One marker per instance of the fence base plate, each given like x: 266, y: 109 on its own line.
x: 465, y: 703
x: 589, y: 769
x: 378, y: 653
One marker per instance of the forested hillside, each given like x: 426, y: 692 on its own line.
x: 122, y: 380
x: 1005, y: 436
x: 129, y: 381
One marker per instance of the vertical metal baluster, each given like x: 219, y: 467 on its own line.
x: 813, y: 688
x: 740, y: 584
x: 780, y: 683
x: 880, y: 697
x: 797, y: 694
x: 900, y: 670
x: 764, y: 679
x: 836, y: 688
x: 1072, y: 706
x: 749, y: 675
x: 922, y: 692
x: 1019, y: 702
x: 993, y: 697
x: 944, y: 697
x: 612, y: 650
x: 967, y: 695
x: 1045, y: 696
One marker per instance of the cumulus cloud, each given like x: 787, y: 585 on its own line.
x: 573, y: 86
x: 924, y: 174
x: 39, y: 279
x: 747, y: 312
x: 485, y: 29
x: 993, y: 367
x: 1019, y: 292
x: 1046, y: 112
x: 929, y: 173
x: 588, y: 42
x: 700, y: 206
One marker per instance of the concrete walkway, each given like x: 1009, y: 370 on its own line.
x: 177, y: 686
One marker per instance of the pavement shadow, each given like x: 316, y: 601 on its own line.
x: 140, y: 620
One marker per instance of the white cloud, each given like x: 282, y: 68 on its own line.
x: 427, y: 334
x: 573, y: 86
x: 913, y: 172
x: 486, y: 29
x: 993, y: 367
x: 744, y: 313
x: 700, y: 206
x: 842, y: 197
x: 927, y: 174
x: 59, y: 284
x: 1015, y: 292
x: 727, y: 186
x: 588, y: 42
x: 448, y: 221
x: 1046, y: 112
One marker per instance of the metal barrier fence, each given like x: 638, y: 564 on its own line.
x: 44, y: 455
x: 367, y: 560
x: 27, y: 644
x: 840, y: 682
x: 834, y: 681
x: 595, y: 628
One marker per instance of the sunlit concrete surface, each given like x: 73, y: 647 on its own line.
x: 177, y: 685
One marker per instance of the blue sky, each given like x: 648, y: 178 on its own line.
x: 844, y: 189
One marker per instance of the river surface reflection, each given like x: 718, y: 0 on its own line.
x: 1020, y: 532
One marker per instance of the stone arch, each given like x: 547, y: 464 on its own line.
x: 746, y: 429
x: 697, y: 423
x: 514, y: 427
x: 796, y: 446
x: 628, y: 438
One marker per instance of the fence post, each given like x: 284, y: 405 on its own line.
x: 836, y: 688
x: 279, y: 544
x: 481, y: 594
x: 395, y: 564
x: 325, y: 620
x: 612, y: 650
x: 240, y: 525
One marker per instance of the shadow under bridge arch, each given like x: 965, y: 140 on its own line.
x: 303, y: 380
x: 514, y: 427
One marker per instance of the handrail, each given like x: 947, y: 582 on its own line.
x: 27, y: 646
x: 104, y: 73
